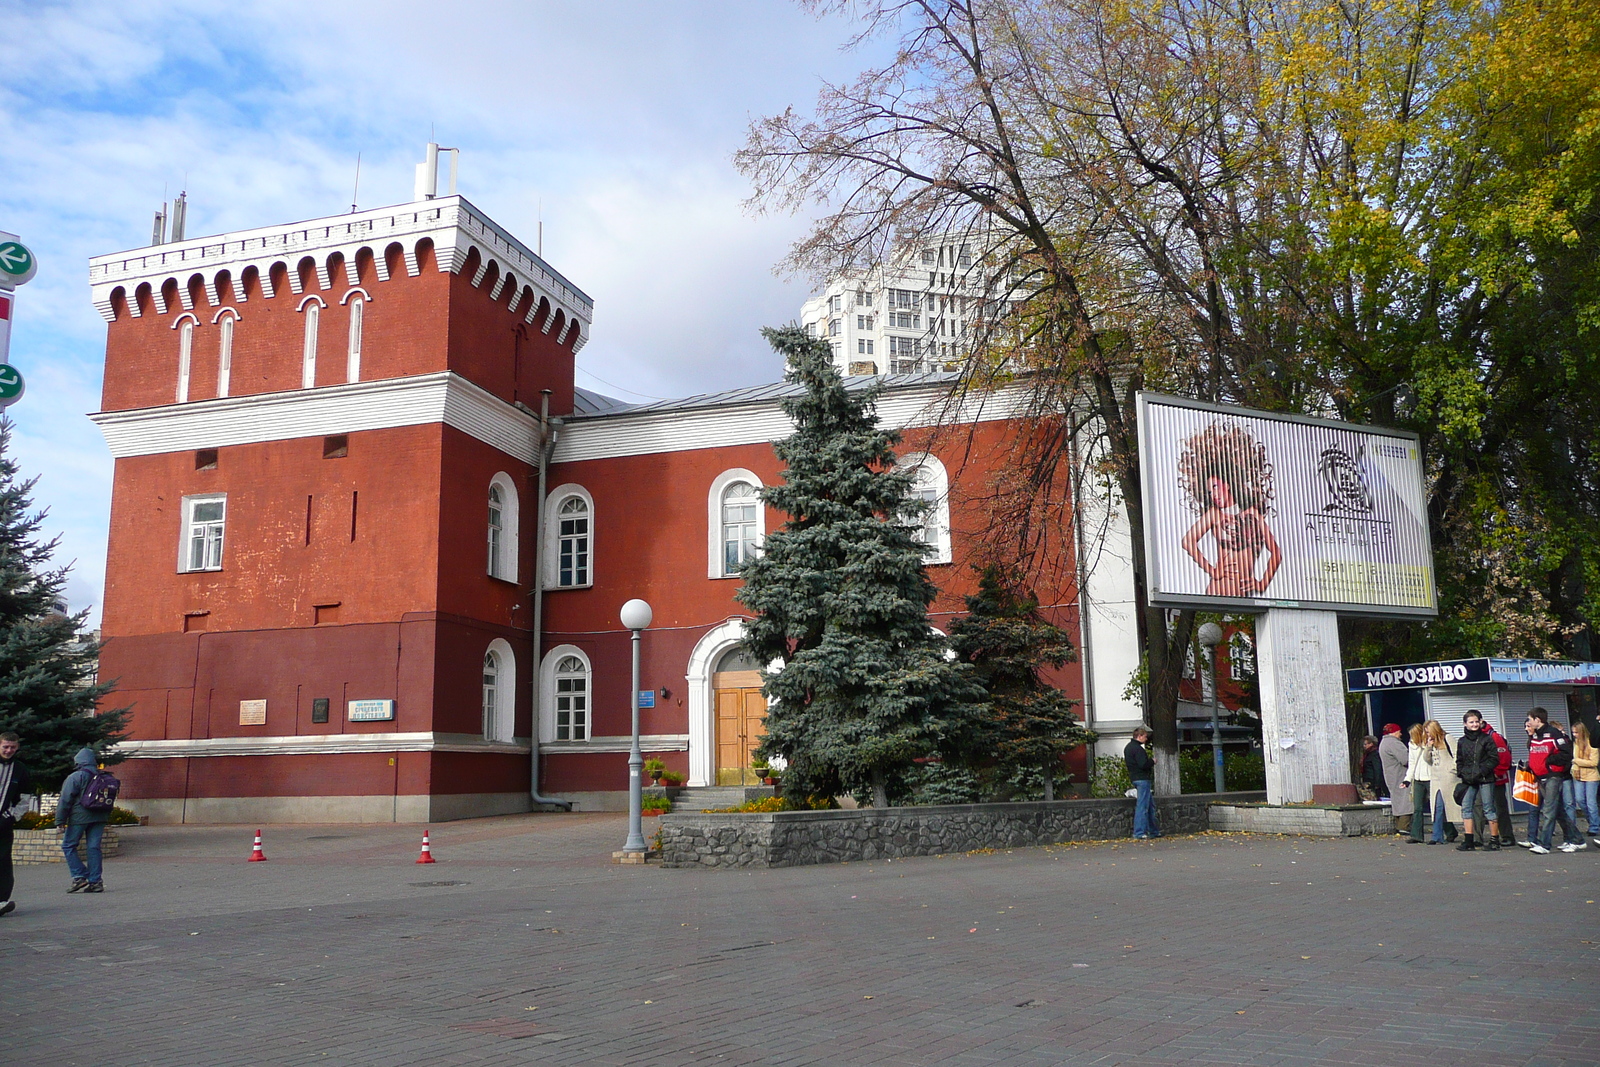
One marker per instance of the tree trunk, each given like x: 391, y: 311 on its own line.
x: 1049, y: 782
x: 880, y: 790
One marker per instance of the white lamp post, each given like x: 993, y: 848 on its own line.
x: 636, y: 615
x: 1210, y: 636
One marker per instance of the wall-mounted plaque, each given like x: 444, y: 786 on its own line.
x: 319, y: 709
x: 252, y: 713
x: 370, y: 711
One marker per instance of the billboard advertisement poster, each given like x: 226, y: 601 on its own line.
x: 1250, y: 510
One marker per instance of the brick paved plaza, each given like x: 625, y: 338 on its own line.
x: 524, y: 945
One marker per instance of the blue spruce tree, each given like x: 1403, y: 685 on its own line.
x: 841, y: 599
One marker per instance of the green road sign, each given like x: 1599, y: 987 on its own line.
x: 11, y: 385
x: 17, y: 263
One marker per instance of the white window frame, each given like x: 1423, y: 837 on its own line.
x: 931, y: 476
x: 503, y: 727
x: 227, y: 322
x: 185, y: 325
x: 552, y: 535
x: 502, y: 564
x: 719, y: 485
x: 547, y: 695
x: 186, y: 531
x: 311, y: 307
x: 357, y: 298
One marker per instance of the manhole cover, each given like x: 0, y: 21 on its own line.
x: 435, y: 885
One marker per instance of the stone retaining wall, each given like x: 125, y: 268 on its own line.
x: 799, y: 838
x: 44, y: 846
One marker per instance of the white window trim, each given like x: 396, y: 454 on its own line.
x: 547, y: 692
x: 552, y: 534
x: 308, y: 351
x: 186, y: 513
x: 505, y: 691
x: 358, y: 319
x: 227, y: 323
x: 510, y: 528
x: 185, y: 324
x: 719, y: 485
x: 939, y: 481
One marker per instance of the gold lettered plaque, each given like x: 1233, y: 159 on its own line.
x: 252, y: 713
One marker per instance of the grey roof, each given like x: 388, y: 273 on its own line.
x: 589, y: 404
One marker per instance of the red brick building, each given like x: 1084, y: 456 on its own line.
x: 328, y: 548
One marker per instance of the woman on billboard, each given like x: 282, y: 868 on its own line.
x: 1229, y: 482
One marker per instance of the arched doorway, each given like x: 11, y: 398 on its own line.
x: 740, y: 716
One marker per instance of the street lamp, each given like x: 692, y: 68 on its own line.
x: 1210, y: 636
x: 636, y: 615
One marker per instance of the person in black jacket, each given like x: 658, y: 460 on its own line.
x: 1142, y: 772
x: 13, y: 783
x: 1477, y: 757
x: 1372, y: 768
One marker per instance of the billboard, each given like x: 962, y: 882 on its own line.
x: 1249, y: 510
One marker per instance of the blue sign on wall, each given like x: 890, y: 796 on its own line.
x: 647, y: 698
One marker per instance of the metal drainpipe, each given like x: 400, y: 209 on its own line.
x: 547, y: 446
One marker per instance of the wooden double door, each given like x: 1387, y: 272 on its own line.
x: 741, y: 724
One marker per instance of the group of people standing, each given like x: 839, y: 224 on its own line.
x: 1466, y: 782
x: 77, y: 817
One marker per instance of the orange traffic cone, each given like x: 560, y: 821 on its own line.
x: 427, y: 852
x: 256, y: 855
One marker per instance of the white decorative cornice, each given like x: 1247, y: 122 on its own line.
x: 762, y: 421
x: 452, y: 223
x: 443, y: 396
x: 321, y: 745
x: 619, y: 743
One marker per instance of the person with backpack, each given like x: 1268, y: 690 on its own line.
x: 1502, y: 784
x: 87, y: 797
x: 1550, y: 760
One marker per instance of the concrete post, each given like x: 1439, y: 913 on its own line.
x: 1302, y: 702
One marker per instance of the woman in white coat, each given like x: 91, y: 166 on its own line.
x: 1442, y: 781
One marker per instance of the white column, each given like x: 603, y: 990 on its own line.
x: 1302, y: 702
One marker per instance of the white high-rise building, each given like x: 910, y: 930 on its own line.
x: 908, y: 318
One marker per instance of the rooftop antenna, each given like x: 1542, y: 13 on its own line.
x: 158, y: 231
x: 180, y: 215
x: 427, y: 186
x: 541, y: 228
x: 356, y: 192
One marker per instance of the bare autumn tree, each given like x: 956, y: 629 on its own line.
x: 1155, y: 189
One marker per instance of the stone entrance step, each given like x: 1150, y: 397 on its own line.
x: 705, y: 797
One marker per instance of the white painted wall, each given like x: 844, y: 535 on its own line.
x: 1302, y: 702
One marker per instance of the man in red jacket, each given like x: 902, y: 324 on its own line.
x: 1502, y: 779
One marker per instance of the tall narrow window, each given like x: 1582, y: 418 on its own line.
x: 572, y: 699
x: 496, y: 531
x: 185, y: 354
x: 572, y: 545
x: 224, y: 353
x: 308, y: 360
x: 491, y: 694
x: 930, y: 487
x: 203, y: 520
x: 739, y: 534
x: 353, y: 361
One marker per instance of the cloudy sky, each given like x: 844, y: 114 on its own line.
x: 618, y: 117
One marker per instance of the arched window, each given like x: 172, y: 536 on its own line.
x: 569, y: 536
x: 502, y: 528
x: 185, y: 355
x: 572, y: 548
x: 735, y: 520
x: 931, y: 486
x: 311, y: 308
x: 739, y: 539
x: 499, y: 692
x: 225, y: 320
x: 565, y: 696
x: 358, y: 307
x: 571, y: 700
